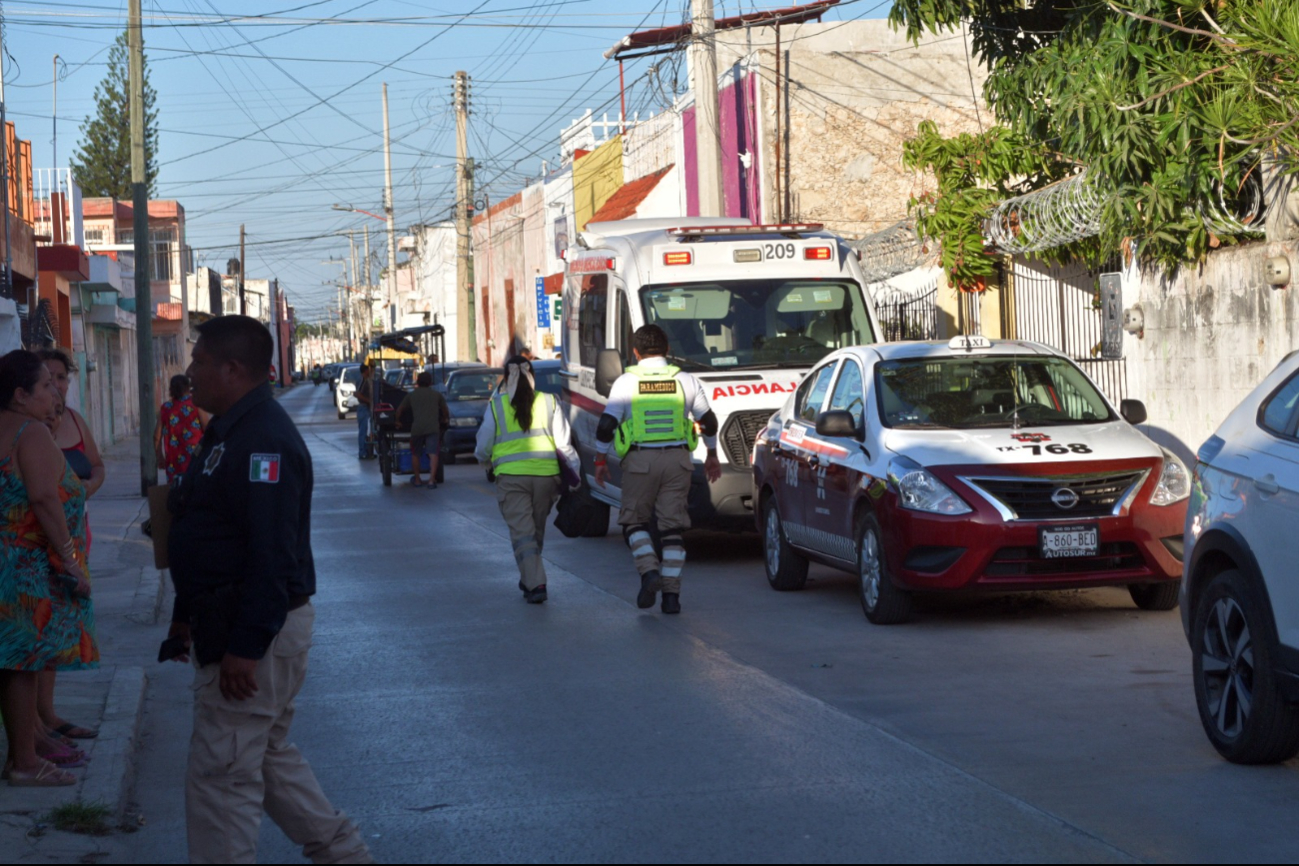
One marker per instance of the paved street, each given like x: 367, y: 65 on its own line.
x: 457, y: 723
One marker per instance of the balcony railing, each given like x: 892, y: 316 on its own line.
x: 58, y: 207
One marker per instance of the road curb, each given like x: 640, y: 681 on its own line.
x: 109, y: 774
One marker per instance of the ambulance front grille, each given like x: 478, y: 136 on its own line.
x: 739, y: 434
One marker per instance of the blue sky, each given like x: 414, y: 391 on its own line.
x: 269, y: 120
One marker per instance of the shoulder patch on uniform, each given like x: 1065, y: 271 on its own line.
x: 265, y: 468
x: 668, y: 387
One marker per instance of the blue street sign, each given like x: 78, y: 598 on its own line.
x: 543, y: 304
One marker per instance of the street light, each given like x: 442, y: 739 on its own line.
x: 349, y: 209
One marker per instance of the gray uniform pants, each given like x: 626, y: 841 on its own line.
x: 656, y: 486
x: 241, y: 763
x: 525, y: 502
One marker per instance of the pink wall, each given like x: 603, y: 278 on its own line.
x: 741, y: 189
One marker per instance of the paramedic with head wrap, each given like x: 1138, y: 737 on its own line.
x: 524, y: 437
x: 650, y: 418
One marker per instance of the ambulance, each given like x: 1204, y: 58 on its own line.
x: 748, y: 310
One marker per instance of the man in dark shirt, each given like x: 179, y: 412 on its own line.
x: 240, y: 549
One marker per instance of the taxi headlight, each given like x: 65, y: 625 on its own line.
x: 1174, y: 481
x: 920, y: 490
x: 465, y: 422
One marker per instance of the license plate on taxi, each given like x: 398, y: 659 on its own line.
x: 1060, y: 542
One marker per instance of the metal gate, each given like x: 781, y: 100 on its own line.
x: 1059, y: 306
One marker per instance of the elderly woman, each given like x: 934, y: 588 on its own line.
x: 45, y: 615
x: 72, y: 435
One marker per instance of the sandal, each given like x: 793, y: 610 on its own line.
x: 48, y: 776
x: 67, y: 758
x: 69, y: 730
x: 414, y: 483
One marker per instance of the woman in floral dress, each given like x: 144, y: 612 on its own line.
x: 180, y: 428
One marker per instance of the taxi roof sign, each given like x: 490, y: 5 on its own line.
x: 969, y: 342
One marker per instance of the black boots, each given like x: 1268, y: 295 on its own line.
x: 671, y: 602
x: 649, y: 587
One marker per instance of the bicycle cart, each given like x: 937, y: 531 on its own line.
x: 391, y: 435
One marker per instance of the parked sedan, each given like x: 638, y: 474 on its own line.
x: 969, y: 465
x: 1240, y: 600
x: 349, y: 377
x: 468, y: 392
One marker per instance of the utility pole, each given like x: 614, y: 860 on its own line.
x: 7, y: 278
x: 351, y: 307
x: 243, y: 300
x: 369, y: 293
x: 703, y: 47
x: 465, y: 330
x: 388, y: 211
x: 143, y: 296
x: 54, y: 119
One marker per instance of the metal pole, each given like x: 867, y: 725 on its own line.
x: 707, y: 130
x: 243, y: 300
x: 7, y: 278
x: 780, y: 201
x: 143, y: 295
x: 369, y: 295
x: 388, y: 210
x: 464, y: 286
x: 351, y: 309
x: 54, y: 119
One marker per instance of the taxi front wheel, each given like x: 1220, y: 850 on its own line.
x: 786, y: 569
x: 881, y: 601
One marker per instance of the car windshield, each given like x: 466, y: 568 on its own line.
x: 548, y: 381
x: 352, y: 375
x: 736, y: 324
x: 472, y: 386
x: 965, y: 393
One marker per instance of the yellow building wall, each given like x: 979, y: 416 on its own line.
x: 596, y: 176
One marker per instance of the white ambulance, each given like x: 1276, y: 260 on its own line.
x: 747, y: 309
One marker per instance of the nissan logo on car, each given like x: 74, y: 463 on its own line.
x: 1064, y: 498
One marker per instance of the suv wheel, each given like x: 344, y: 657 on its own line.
x: 1155, y: 596
x: 1241, y: 708
x: 786, y: 570
x: 881, y: 601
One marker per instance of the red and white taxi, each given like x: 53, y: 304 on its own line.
x: 974, y: 464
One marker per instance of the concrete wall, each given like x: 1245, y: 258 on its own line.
x: 435, y: 264
x: 596, y: 176
x: 1211, y: 334
x: 740, y: 145
x: 852, y: 93
x: 651, y: 145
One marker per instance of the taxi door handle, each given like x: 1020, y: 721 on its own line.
x: 1267, y: 484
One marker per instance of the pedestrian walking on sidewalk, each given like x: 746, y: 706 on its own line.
x: 650, y: 419
x: 46, y: 620
x: 240, y: 549
x: 524, y: 437
x: 179, y: 430
x: 364, y: 399
x: 429, y: 416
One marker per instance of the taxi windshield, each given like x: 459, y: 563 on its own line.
x: 734, y: 324
x: 472, y: 386
x: 964, y: 393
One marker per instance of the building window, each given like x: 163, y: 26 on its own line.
x: 94, y: 237
x: 160, y: 246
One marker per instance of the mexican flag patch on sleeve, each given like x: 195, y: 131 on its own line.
x: 265, y: 468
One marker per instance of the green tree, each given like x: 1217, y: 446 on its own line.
x: 1172, y: 106
x: 102, y: 165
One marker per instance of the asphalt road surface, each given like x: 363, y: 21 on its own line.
x: 456, y: 722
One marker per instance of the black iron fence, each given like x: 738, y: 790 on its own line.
x: 909, y: 317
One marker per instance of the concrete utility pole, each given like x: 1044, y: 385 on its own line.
x: 7, y: 278
x: 369, y: 294
x: 703, y: 48
x: 351, y: 301
x: 464, y: 194
x: 143, y: 296
x: 243, y: 299
x: 388, y: 211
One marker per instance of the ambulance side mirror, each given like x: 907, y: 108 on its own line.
x: 1133, y: 411
x: 608, y: 367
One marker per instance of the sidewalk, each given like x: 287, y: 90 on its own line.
x: 128, y: 592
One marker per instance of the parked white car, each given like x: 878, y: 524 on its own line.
x: 349, y: 376
x: 1240, y: 597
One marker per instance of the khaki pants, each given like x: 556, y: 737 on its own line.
x: 656, y: 486
x: 525, y: 502
x: 241, y: 763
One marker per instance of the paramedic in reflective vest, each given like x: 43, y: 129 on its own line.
x: 524, y: 435
x: 650, y: 421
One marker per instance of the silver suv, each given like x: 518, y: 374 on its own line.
x: 1240, y: 590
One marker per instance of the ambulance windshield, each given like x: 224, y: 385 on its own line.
x: 757, y: 323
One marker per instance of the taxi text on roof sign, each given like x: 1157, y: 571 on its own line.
x: 969, y: 343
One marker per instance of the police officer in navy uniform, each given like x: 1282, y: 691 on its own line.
x: 240, y: 550
x: 650, y: 419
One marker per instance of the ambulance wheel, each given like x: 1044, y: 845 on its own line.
x: 786, y: 569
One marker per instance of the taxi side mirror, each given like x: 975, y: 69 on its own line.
x: 837, y: 423
x: 1133, y: 411
x: 608, y: 367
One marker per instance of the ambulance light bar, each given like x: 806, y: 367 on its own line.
x: 818, y: 254
x: 786, y: 229
x: 682, y: 257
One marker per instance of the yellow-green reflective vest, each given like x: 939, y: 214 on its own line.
x: 658, y: 411
x: 523, y: 452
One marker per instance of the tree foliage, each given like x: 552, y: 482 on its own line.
x: 102, y: 165
x: 1173, y: 105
